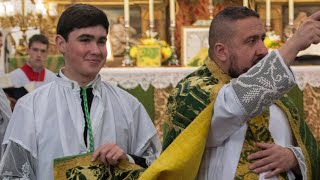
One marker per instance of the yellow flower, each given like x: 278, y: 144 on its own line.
x: 267, y: 42
x: 272, y: 40
x: 149, y: 42
x: 133, y: 52
x: 163, y: 43
x: 166, y: 52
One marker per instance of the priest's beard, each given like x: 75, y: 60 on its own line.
x: 234, y: 71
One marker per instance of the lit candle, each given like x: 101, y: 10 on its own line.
x: 53, y: 9
x: 151, y: 17
x: 172, y: 13
x: 126, y: 13
x: 291, y: 12
x: 245, y: 3
x: 268, y: 14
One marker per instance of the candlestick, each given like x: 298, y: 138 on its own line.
x: 127, y: 61
x: 174, y: 59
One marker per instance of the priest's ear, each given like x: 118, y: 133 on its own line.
x: 220, y: 52
x: 61, y: 44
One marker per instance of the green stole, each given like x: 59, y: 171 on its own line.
x: 194, y: 93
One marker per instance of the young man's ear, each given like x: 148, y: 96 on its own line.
x: 61, y: 44
x: 221, y: 52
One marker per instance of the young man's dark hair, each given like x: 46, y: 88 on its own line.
x: 80, y: 16
x: 38, y: 38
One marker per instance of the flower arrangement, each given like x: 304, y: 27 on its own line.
x: 272, y: 40
x: 166, y: 51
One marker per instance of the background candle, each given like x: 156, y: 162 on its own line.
x: 268, y: 11
x: 151, y: 17
x: 245, y: 3
x: 172, y: 13
x: 126, y: 12
x: 291, y: 12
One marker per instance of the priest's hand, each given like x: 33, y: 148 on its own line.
x: 308, y: 33
x: 109, y: 154
x: 273, y: 158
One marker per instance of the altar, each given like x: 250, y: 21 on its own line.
x: 152, y: 87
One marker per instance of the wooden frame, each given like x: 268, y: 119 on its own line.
x: 193, y: 39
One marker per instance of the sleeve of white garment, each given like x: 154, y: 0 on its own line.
x: 19, y: 145
x: 5, y: 114
x: 17, y: 163
x: 145, y: 140
x: 18, y: 78
x: 248, y: 95
x: 301, y: 161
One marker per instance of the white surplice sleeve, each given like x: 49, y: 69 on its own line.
x: 17, y: 163
x: 5, y: 114
x: 248, y: 95
x: 146, y: 142
x: 19, y: 148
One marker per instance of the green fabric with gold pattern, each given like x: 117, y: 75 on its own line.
x: 80, y: 167
x: 187, y: 100
x: 257, y: 132
x: 303, y: 137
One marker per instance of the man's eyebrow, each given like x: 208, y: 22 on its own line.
x: 256, y: 37
x: 103, y: 38
x: 253, y: 37
x: 86, y: 36
x: 91, y: 37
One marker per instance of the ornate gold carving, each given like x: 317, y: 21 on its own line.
x: 159, y: 14
x: 311, y: 109
x: 160, y: 104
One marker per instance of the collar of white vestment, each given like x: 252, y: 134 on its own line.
x: 74, y: 85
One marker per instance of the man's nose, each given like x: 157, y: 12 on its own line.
x: 262, y: 49
x: 39, y: 53
x: 95, y: 49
